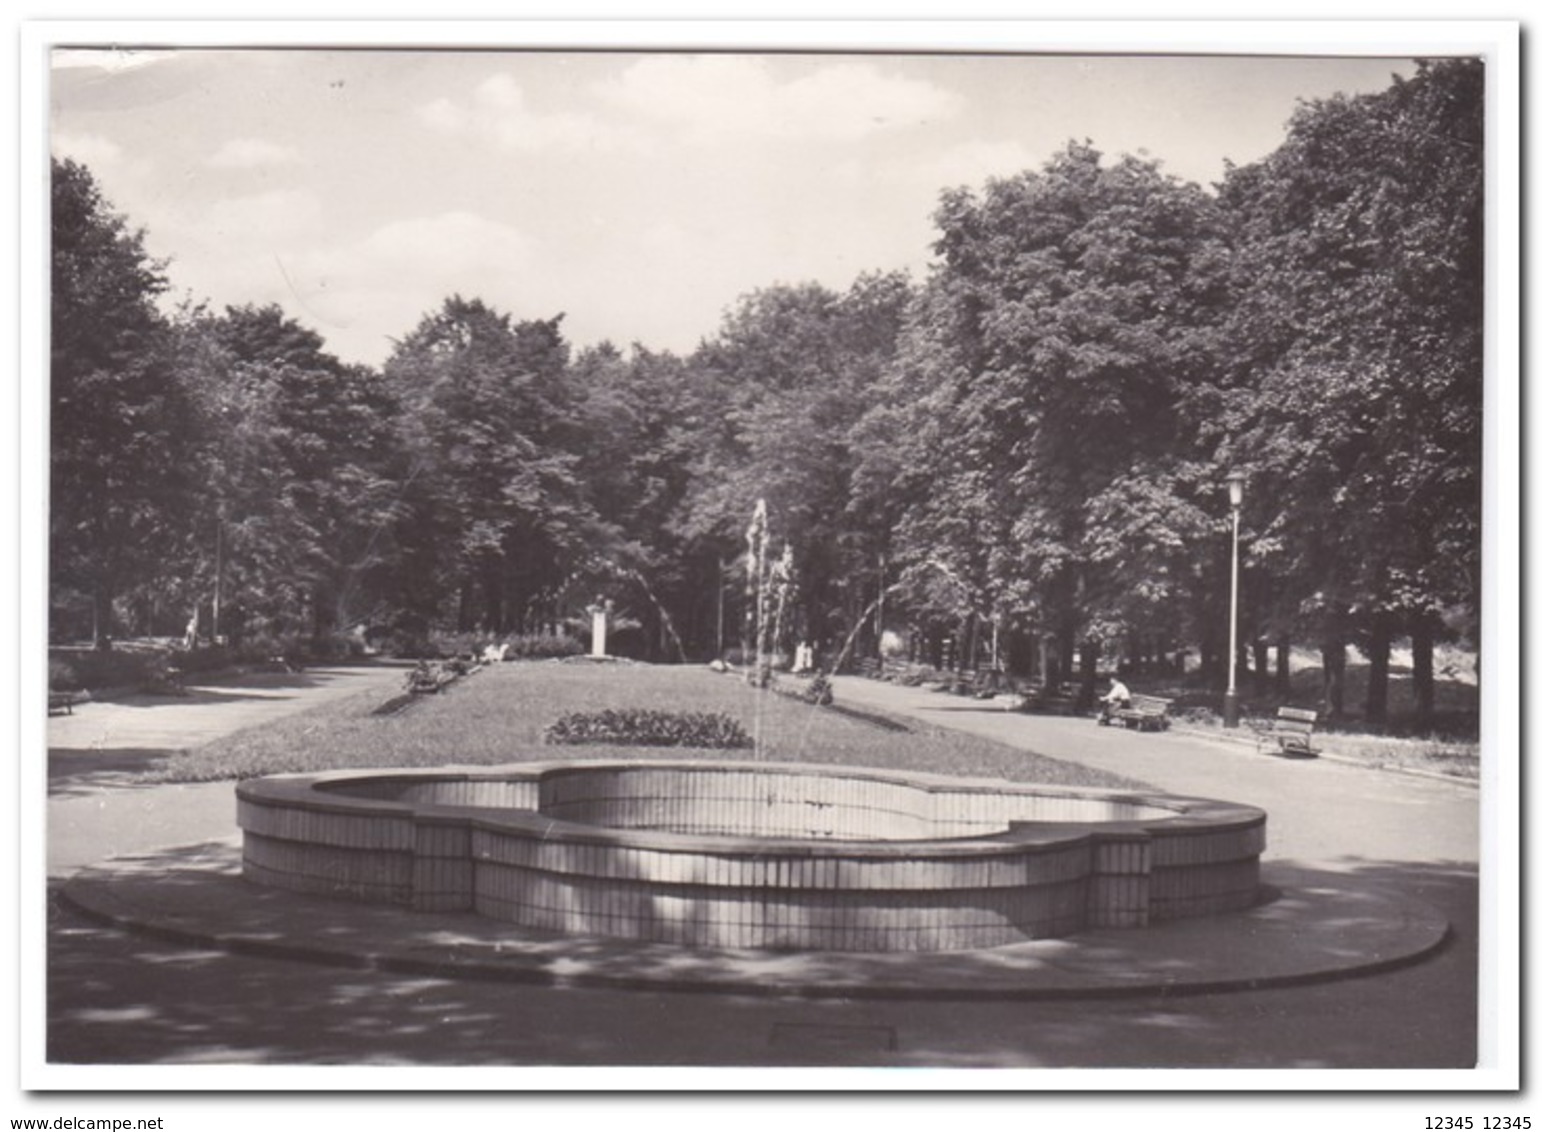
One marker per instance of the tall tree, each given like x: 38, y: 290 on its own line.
x: 119, y: 421
x: 796, y: 367
x: 1070, y: 313
x: 496, y: 514
x: 1359, y: 323
x: 300, y: 473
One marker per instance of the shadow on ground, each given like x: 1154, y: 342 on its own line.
x: 116, y: 997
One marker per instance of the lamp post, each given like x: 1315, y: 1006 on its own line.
x: 1229, y: 709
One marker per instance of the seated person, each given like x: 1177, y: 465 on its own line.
x: 1118, y: 697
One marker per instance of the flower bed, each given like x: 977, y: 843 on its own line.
x: 646, y: 727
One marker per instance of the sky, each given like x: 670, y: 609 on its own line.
x: 641, y: 195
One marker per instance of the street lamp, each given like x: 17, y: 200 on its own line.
x: 1229, y: 710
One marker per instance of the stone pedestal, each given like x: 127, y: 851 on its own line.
x: 598, y: 619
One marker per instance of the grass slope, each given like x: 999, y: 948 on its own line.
x: 498, y: 715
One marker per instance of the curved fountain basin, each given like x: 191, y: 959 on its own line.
x: 753, y: 855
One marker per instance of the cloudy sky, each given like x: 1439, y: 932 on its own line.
x: 641, y: 194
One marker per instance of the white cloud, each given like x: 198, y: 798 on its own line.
x: 497, y: 112
x: 403, y: 270
x: 91, y: 150
x: 270, y: 220
x: 450, y: 242
x: 251, y: 153
x: 971, y: 164
x: 735, y: 95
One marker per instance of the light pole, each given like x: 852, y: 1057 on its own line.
x: 1229, y: 710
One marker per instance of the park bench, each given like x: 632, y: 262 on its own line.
x: 65, y: 701
x: 1144, y: 713
x: 1292, y: 730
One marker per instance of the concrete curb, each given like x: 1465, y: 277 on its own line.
x: 1309, y: 933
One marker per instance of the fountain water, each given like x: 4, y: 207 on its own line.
x: 668, y: 622
x: 754, y: 587
x: 872, y: 606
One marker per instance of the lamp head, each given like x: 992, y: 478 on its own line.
x: 1234, y: 489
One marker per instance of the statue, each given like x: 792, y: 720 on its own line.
x: 599, y: 617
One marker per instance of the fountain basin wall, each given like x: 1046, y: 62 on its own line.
x: 753, y: 855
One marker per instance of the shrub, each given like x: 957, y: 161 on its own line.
x: 647, y: 727
x: 259, y: 648
x: 405, y: 644
x: 445, y: 645
x: 61, y: 676
x: 205, y: 658
x: 98, y: 669
x: 440, y: 645
x: 332, y: 647
x: 543, y: 646
x: 915, y: 677
x: 819, y: 691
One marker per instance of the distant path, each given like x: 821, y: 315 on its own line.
x: 211, y: 710
x: 95, y: 813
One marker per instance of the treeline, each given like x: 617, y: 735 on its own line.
x: 1024, y: 454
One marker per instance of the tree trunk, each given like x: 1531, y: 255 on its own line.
x: 492, y: 597
x: 463, y: 610
x: 1065, y: 651
x: 1086, y: 695
x: 1333, y: 656
x: 1260, y: 667
x: 1423, y: 633
x: 1380, y: 656
x: 1282, y: 668
x: 101, y: 615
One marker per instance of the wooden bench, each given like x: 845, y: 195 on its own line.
x: 65, y: 702
x: 1292, y: 729
x: 1144, y: 713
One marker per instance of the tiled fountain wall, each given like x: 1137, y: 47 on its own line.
x: 753, y: 855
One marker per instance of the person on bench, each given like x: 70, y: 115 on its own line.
x: 1118, y: 697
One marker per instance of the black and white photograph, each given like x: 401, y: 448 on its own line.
x: 912, y: 557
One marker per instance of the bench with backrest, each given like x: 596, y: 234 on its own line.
x: 1144, y: 713
x: 1292, y: 729
x: 65, y: 701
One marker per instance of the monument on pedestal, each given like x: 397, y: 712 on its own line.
x: 599, y: 617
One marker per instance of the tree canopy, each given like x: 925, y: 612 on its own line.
x: 1024, y: 452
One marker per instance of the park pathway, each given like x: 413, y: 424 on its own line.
x: 93, y: 811
x: 1319, y: 810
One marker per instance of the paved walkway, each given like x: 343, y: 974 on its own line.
x: 92, y: 812
x: 1320, y: 810
x: 1412, y: 842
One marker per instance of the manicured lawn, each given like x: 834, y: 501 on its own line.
x: 499, y: 715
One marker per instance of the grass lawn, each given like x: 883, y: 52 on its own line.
x: 499, y: 715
